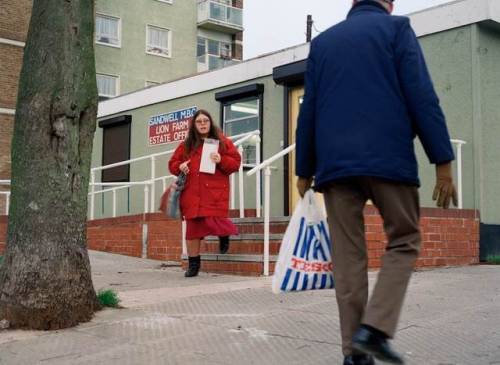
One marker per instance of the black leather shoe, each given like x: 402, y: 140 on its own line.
x: 194, y: 264
x: 359, y: 360
x: 223, y: 244
x: 372, y: 342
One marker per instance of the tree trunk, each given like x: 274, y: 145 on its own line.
x: 45, y: 281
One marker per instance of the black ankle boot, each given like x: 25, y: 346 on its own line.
x: 194, y: 264
x: 223, y: 244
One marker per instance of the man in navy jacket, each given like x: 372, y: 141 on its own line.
x: 368, y: 94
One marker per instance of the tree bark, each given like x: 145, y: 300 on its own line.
x: 45, y: 280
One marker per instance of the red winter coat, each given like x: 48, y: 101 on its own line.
x: 206, y: 195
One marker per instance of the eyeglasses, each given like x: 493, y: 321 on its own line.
x: 202, y: 121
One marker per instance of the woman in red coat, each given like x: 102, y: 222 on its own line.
x: 204, y: 202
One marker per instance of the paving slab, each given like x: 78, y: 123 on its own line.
x: 451, y: 317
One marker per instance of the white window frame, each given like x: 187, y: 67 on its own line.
x: 225, y: 121
x: 119, y: 45
x: 169, y: 41
x: 117, y: 77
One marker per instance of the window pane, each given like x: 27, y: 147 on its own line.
x: 213, y: 47
x: 201, y: 48
x: 107, y: 30
x: 243, y: 117
x: 242, y: 109
x: 107, y: 85
x: 157, y: 41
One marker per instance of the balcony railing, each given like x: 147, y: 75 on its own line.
x: 217, y: 16
x: 210, y: 62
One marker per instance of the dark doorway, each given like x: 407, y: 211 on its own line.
x: 116, y: 147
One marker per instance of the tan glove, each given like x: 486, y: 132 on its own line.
x: 304, y: 184
x: 444, y: 190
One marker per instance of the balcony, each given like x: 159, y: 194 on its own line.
x: 209, y: 62
x: 219, y: 17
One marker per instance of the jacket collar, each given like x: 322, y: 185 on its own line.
x: 367, y: 6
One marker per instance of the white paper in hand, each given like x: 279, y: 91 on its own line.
x: 209, y: 146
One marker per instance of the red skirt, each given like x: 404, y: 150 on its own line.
x: 198, y: 228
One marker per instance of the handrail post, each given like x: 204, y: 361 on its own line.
x: 146, y: 196
x: 240, y: 187
x: 114, y: 202
x: 233, y: 204
x: 92, y: 194
x: 459, y: 175
x: 153, y: 176
x: 184, y: 243
x: 258, y: 198
x: 267, y: 203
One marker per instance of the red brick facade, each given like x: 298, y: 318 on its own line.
x: 121, y: 235
x: 11, y: 59
x: 238, y: 38
x: 14, y: 19
x: 449, y: 238
x: 14, y: 23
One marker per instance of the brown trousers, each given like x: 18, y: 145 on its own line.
x: 399, y: 207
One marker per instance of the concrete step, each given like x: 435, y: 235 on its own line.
x: 234, y: 213
x: 256, y: 225
x: 230, y: 264
x: 245, y: 255
x: 240, y: 247
x: 249, y: 237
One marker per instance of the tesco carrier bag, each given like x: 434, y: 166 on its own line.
x: 305, y: 257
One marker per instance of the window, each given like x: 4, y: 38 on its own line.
x: 151, y: 83
x: 158, y: 41
x: 215, y: 53
x: 107, y: 30
x: 242, y: 116
x: 107, y: 86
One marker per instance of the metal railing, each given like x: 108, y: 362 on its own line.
x: 459, y: 143
x: 266, y: 166
x: 208, y: 62
x: 150, y: 184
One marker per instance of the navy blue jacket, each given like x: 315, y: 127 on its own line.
x: 368, y: 93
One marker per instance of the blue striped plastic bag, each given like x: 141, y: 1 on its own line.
x: 305, y: 258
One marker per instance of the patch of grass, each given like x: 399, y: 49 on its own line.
x: 108, y: 298
x: 493, y: 259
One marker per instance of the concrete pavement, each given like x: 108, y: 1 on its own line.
x: 451, y: 317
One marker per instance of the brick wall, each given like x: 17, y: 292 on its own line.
x: 121, y: 235
x: 14, y: 22
x: 11, y: 58
x: 3, y: 233
x: 449, y: 238
x: 6, y: 128
x: 164, y: 238
x: 237, y: 47
x: 238, y: 4
x: 14, y: 19
x: 238, y: 38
